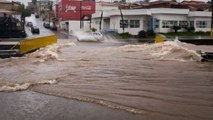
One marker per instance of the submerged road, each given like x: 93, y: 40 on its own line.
x: 108, y: 80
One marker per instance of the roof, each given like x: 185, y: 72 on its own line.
x: 200, y: 14
x: 137, y: 12
x: 124, y: 12
x: 169, y: 11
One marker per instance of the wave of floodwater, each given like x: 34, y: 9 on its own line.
x: 169, y: 50
x: 49, y: 52
x: 24, y: 86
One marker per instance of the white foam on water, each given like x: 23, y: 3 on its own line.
x: 50, y: 52
x: 169, y: 50
x: 24, y: 86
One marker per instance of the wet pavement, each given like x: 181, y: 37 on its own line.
x: 28, y: 105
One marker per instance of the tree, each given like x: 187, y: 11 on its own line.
x: 25, y: 12
x: 176, y: 28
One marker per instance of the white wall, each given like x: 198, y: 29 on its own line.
x: 74, y: 25
x: 115, y: 24
x: 63, y: 25
x: 162, y: 17
x: 202, y: 29
x: 95, y: 23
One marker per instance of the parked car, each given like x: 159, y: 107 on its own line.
x: 53, y: 27
x: 29, y: 24
x: 90, y: 36
x: 46, y: 25
x: 35, y: 30
x: 37, y: 16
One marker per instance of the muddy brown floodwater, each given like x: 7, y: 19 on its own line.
x: 160, y: 81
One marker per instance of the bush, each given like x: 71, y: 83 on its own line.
x: 191, y: 29
x: 125, y: 35
x: 176, y: 28
x: 93, y: 29
x: 142, y: 34
x: 150, y: 33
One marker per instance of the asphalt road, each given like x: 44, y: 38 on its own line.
x: 28, y: 105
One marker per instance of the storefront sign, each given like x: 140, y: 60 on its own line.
x: 71, y: 9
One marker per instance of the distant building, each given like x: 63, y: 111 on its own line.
x: 74, y: 15
x: 159, y: 20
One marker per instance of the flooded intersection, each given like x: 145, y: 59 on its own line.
x: 158, y: 81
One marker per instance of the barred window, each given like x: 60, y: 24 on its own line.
x: 169, y: 23
x: 124, y: 23
x: 183, y: 23
x: 203, y: 24
x: 134, y: 23
x: 191, y: 23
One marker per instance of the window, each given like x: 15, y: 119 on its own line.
x: 97, y: 22
x: 168, y: 23
x: 183, y: 23
x: 134, y: 23
x: 157, y: 23
x: 124, y: 23
x: 203, y: 24
x: 165, y: 24
x: 191, y: 23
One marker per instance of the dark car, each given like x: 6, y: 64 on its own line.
x: 46, y: 25
x: 35, y: 30
x: 37, y: 16
x: 29, y: 24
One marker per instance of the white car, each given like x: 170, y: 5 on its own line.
x: 89, y: 36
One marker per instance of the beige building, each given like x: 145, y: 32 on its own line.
x: 10, y: 6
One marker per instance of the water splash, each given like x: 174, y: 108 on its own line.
x: 49, y: 52
x: 169, y: 50
x: 24, y: 86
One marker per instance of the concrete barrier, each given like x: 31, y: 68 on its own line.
x: 28, y: 45
x: 17, y: 47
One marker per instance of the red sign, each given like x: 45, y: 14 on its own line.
x: 71, y: 10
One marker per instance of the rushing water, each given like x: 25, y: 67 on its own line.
x: 161, y: 81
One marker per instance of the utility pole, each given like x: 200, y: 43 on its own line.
x: 212, y: 19
x: 49, y: 10
x: 80, y: 14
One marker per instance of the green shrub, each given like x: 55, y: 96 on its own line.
x: 142, y: 34
x: 93, y: 29
x: 150, y: 33
x: 125, y: 35
x: 176, y: 28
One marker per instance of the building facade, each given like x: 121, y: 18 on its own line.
x: 73, y: 14
x: 160, y: 20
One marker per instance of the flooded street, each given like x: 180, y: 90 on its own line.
x: 156, y: 81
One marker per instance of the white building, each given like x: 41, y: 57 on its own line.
x: 158, y: 19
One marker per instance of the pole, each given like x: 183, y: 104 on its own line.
x: 80, y: 14
x: 122, y: 19
x: 101, y: 20
x: 49, y: 10
x: 212, y: 19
